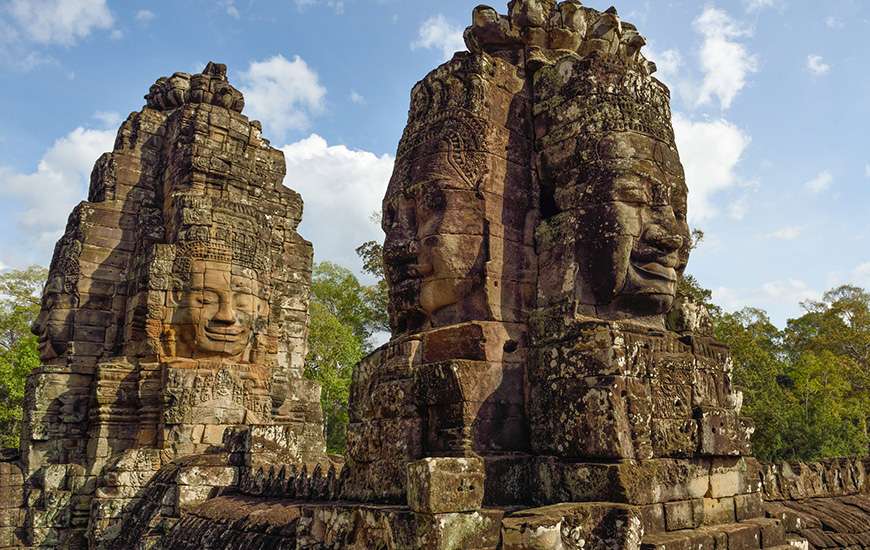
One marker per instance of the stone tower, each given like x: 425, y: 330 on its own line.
x: 175, y: 314
x: 535, y: 233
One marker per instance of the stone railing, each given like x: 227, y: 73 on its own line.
x: 827, y: 478
x: 319, y: 482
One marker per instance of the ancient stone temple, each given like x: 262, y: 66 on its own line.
x: 543, y: 388
x: 174, y: 319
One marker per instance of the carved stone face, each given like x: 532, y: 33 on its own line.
x: 217, y: 315
x: 54, y: 325
x: 634, y: 237
x: 434, y: 250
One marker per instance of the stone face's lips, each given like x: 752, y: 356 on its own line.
x: 225, y: 335
x: 657, y: 271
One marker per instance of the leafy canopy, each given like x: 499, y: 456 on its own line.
x: 20, y: 293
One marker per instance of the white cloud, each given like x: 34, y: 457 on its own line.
x: 816, y: 65
x: 668, y: 63
x: 776, y: 297
x: 45, y: 196
x: 357, y: 98
x: 753, y: 6
x: 437, y: 33
x: 337, y: 183
x: 726, y: 63
x: 230, y: 7
x: 834, y: 22
x: 336, y: 5
x: 145, y: 16
x: 710, y: 151
x: 738, y: 208
x: 861, y: 275
x: 867, y: 170
x: 60, y: 21
x: 822, y: 182
x: 109, y: 119
x: 786, y: 233
x: 282, y: 94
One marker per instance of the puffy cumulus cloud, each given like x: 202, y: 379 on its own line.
x: 357, y: 98
x: 822, y: 182
x: 436, y: 33
x: 282, y: 94
x: 45, y: 196
x: 710, y: 151
x: 62, y: 22
x: 341, y: 187
x: 786, y: 233
x: 816, y: 65
x: 725, y: 62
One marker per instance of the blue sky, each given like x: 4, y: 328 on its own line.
x: 771, y: 102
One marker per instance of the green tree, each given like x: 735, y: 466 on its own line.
x: 372, y: 255
x: 839, y: 323
x: 805, y: 387
x: 758, y: 371
x: 344, y: 316
x: 829, y: 347
x: 20, y: 293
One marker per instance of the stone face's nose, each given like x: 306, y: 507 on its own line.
x: 226, y: 314
x: 663, y: 239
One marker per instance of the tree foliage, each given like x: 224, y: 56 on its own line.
x: 19, y: 306
x: 345, y: 314
x: 806, y: 387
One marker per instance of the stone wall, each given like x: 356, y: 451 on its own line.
x: 11, y: 505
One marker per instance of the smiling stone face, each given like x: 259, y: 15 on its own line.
x: 218, y: 314
x: 613, y: 192
x: 635, y: 236
x: 435, y: 255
